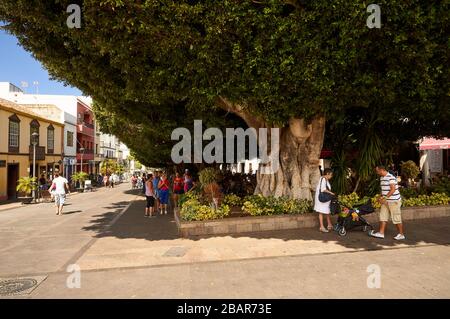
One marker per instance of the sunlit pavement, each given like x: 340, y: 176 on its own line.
x: 122, y: 254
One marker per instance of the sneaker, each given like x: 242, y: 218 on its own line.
x: 400, y: 237
x: 376, y: 234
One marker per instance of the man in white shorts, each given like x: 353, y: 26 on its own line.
x: 58, y: 188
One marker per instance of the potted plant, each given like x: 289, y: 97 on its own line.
x: 79, y: 178
x: 27, y: 185
x: 410, y: 171
x: 208, y: 178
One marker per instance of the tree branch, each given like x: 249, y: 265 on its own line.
x: 239, y: 110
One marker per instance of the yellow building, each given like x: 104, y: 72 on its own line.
x: 17, y: 124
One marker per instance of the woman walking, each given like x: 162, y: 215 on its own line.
x: 178, y: 188
x: 188, y: 182
x: 323, y: 208
x: 150, y: 196
x: 163, y: 187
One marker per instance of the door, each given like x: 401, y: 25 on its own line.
x: 13, y: 176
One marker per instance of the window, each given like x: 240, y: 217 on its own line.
x: 34, y: 128
x: 14, y: 134
x: 70, y: 139
x: 50, y: 139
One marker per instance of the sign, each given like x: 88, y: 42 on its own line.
x: 2, y: 163
x: 435, y: 161
x: 40, y: 153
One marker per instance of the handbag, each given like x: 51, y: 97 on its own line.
x: 323, y: 196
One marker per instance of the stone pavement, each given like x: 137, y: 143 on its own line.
x: 122, y: 254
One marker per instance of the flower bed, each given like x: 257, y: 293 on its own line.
x: 194, y: 208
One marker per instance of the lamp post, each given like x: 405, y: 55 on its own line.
x: 82, y: 152
x: 35, y: 137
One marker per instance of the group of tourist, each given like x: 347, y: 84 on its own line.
x: 156, y: 188
x: 390, y: 201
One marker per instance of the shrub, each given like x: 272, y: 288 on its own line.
x: 232, y: 200
x: 209, y: 175
x: 258, y: 205
x: 442, y: 185
x: 26, y: 184
x: 194, y: 210
x: 408, y: 192
x: 409, y: 169
x: 186, y: 196
x: 427, y: 200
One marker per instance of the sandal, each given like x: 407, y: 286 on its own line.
x: 323, y: 230
x: 329, y: 227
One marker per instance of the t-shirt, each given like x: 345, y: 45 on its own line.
x: 178, y: 184
x: 164, y: 185
x: 59, y: 183
x: 385, y: 183
x: 155, y: 183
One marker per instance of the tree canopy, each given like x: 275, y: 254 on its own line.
x: 152, y: 65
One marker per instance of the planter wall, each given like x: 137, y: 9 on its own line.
x: 281, y: 222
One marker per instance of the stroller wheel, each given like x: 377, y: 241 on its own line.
x: 336, y: 227
x: 342, y: 231
x: 367, y: 228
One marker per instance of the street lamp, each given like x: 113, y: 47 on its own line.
x: 82, y: 152
x: 34, y: 141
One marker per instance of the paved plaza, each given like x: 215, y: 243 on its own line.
x: 121, y: 254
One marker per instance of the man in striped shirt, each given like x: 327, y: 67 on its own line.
x: 391, y: 202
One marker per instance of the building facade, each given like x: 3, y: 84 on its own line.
x: 85, y: 137
x: 17, y: 124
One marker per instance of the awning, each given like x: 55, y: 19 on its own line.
x: 434, y: 144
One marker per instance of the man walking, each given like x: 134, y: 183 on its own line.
x: 59, y: 186
x: 390, y: 204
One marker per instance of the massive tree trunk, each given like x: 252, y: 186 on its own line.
x: 299, y: 153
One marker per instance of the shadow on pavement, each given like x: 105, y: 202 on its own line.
x: 133, y: 224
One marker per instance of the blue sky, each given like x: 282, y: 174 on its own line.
x: 17, y: 65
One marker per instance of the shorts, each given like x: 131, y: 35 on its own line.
x: 391, y: 210
x: 156, y: 193
x: 178, y: 191
x: 59, y: 199
x: 150, y: 201
x: 164, y: 196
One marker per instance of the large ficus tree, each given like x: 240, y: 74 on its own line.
x: 287, y: 64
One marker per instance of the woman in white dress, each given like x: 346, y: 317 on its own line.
x: 324, y: 208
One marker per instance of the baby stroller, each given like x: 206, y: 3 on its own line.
x: 350, y: 218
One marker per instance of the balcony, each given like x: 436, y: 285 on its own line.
x: 86, y: 128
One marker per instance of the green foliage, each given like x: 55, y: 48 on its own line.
x: 408, y: 192
x: 427, y: 200
x: 26, y: 184
x: 258, y: 205
x: 111, y: 166
x: 353, y: 200
x: 151, y: 65
x: 409, y: 169
x: 340, y: 182
x: 187, y: 196
x: 208, y: 176
x: 232, y: 200
x: 80, y: 177
x: 442, y: 185
x: 193, y: 210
